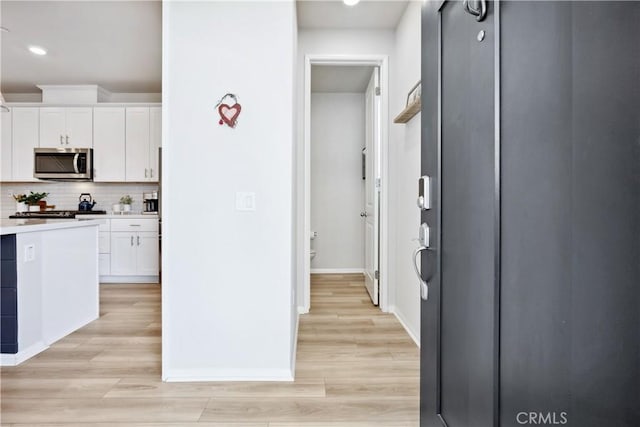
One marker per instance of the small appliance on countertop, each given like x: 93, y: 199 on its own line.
x: 86, y: 203
x: 55, y: 214
x: 150, y: 203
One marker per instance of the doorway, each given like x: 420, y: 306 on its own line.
x: 373, y: 173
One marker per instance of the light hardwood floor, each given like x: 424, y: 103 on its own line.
x: 356, y: 367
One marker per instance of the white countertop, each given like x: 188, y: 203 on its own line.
x: 118, y: 216
x: 14, y: 226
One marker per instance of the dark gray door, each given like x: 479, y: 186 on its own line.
x: 466, y: 249
x: 532, y: 136
x: 467, y: 227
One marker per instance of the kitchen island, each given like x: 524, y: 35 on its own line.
x: 49, y: 283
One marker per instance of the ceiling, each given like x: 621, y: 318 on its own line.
x: 368, y: 14
x: 337, y: 79
x: 115, y: 44
x: 118, y: 44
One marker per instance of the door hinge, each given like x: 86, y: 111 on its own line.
x: 378, y: 91
x: 376, y: 275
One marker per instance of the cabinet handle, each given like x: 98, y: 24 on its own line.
x: 145, y: 173
x: 67, y: 139
x: 138, y: 240
x: 151, y: 172
x: 134, y: 225
x: 131, y: 240
x: 61, y: 141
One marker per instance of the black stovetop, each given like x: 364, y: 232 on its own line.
x: 55, y: 214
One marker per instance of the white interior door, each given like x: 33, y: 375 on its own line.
x: 372, y: 188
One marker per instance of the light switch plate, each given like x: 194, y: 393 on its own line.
x: 245, y: 201
x: 29, y: 252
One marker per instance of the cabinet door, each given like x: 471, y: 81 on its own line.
x: 148, y: 253
x: 25, y: 139
x: 137, y: 144
x: 52, y: 127
x: 104, y: 264
x: 123, y: 254
x: 109, y: 144
x: 5, y: 144
x: 79, y: 127
x: 155, y: 142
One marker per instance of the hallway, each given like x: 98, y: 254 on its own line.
x: 356, y: 367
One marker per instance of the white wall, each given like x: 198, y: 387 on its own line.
x: 64, y: 195
x: 227, y: 274
x: 327, y: 42
x: 337, y: 188
x: 404, y: 170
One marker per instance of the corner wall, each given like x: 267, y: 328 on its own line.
x: 227, y: 274
x: 404, y: 171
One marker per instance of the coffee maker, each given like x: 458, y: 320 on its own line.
x: 150, y: 203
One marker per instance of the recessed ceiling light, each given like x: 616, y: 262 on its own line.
x: 351, y: 2
x: 37, y: 50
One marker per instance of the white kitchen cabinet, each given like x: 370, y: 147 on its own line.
x: 124, y: 254
x: 109, y: 144
x: 25, y: 129
x: 134, y: 247
x: 67, y: 127
x: 143, y: 136
x: 104, y: 247
x: 155, y: 141
x: 5, y: 146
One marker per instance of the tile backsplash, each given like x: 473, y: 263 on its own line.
x: 64, y: 195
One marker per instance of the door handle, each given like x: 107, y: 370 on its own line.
x: 364, y: 214
x: 480, y: 13
x: 76, y: 168
x: 424, y: 284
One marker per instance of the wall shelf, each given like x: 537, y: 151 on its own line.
x: 408, y: 113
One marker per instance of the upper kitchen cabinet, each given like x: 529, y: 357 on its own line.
x: 5, y: 146
x: 109, y: 144
x: 25, y: 126
x: 155, y: 126
x: 66, y: 127
x: 143, y: 135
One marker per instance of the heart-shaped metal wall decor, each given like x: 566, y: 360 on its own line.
x: 229, y: 113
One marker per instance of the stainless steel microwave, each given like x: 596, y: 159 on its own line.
x: 63, y: 164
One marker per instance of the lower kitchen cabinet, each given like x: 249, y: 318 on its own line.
x: 129, y: 250
x: 134, y: 254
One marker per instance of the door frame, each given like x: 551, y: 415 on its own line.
x: 304, y: 173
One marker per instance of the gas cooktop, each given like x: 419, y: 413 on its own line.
x: 55, y: 214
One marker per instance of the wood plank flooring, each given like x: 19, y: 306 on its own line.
x: 356, y: 367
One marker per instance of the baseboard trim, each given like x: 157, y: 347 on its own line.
x: 23, y: 355
x: 201, y: 375
x: 129, y: 279
x: 294, y: 349
x: 337, y: 271
x: 403, y: 322
x: 81, y: 324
